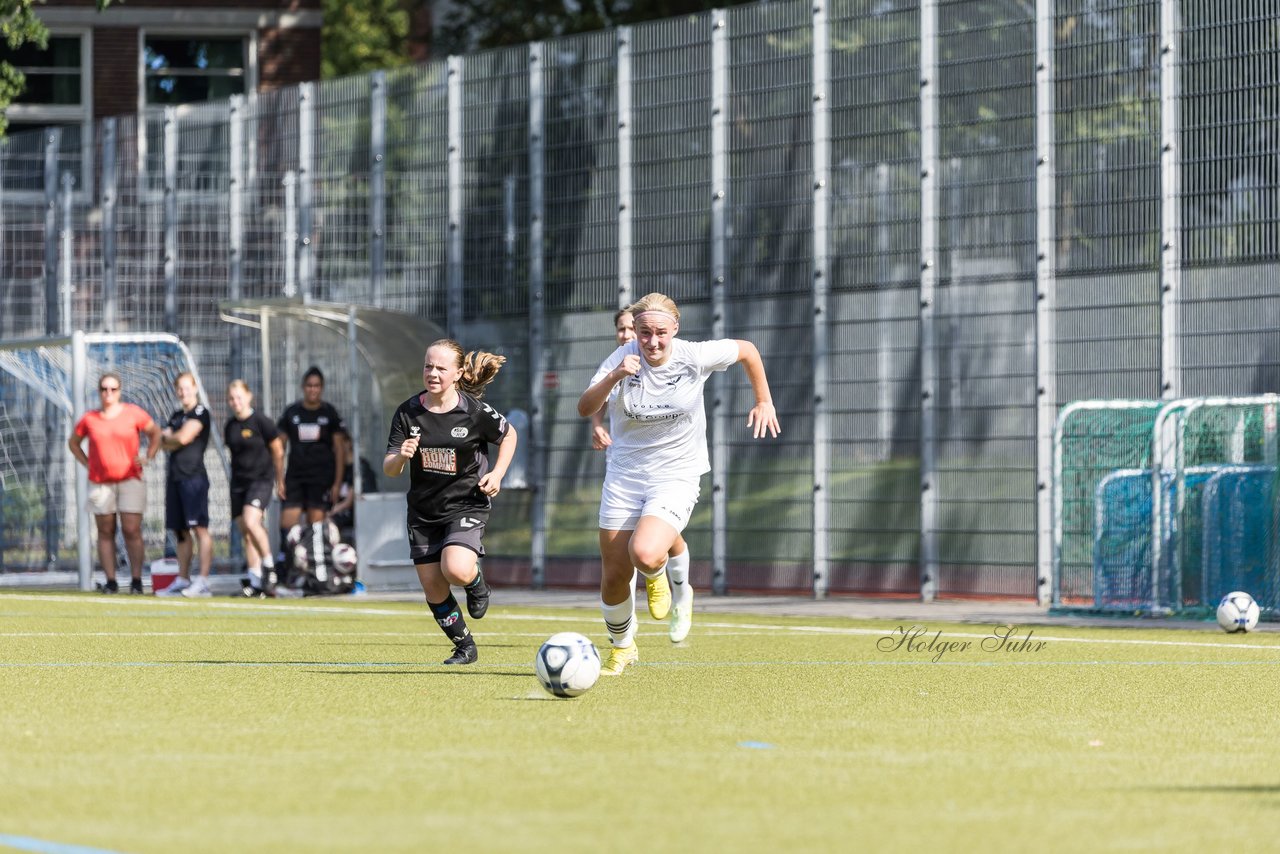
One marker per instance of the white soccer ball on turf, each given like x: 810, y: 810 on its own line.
x: 1237, y: 612
x: 567, y: 664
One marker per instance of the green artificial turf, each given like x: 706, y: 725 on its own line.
x: 152, y: 725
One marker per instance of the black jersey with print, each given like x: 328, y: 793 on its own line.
x: 249, y: 442
x: 453, y: 454
x: 188, y: 461
x: 310, y: 436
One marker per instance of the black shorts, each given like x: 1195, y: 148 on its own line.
x: 186, y: 503
x: 256, y: 493
x: 427, y: 542
x: 307, y: 494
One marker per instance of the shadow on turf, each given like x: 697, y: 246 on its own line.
x: 419, y: 645
x: 425, y: 670
x: 1220, y: 790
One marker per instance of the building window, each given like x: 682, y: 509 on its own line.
x: 53, y: 74
x: 57, y: 94
x: 184, y: 70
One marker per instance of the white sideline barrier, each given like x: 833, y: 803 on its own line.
x: 382, y: 544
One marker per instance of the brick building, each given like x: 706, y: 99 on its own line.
x: 143, y: 55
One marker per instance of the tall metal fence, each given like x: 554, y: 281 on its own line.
x: 939, y: 221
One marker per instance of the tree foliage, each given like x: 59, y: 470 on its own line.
x: 472, y: 24
x: 364, y: 36
x: 19, y: 26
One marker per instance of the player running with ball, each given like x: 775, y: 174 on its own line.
x: 653, y: 388
x: 442, y: 434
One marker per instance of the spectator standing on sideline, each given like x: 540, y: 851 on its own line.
x: 442, y: 434
x: 658, y: 456
x: 186, y: 497
x: 257, y: 469
x: 314, y: 435
x: 115, y: 473
x: 679, y: 612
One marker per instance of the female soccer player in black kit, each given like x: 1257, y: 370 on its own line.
x: 314, y: 434
x: 445, y: 430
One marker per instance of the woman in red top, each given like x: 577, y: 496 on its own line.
x: 115, y: 474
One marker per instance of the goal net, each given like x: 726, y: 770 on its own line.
x: 45, y: 386
x: 1163, y: 507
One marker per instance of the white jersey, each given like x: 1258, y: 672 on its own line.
x: 656, y: 418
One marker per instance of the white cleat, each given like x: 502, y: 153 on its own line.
x: 681, y: 618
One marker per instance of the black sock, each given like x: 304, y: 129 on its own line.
x: 450, y: 619
x: 284, y: 558
x: 477, y: 587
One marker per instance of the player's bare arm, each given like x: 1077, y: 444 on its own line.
x: 394, y: 463
x: 763, y: 417
x: 491, y: 483
x: 594, y: 398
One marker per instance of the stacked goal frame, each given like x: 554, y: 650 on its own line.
x: 1161, y: 507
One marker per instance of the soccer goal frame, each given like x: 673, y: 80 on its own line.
x: 57, y: 371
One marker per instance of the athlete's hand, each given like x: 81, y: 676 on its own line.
x: 630, y: 365
x: 763, y: 418
x: 409, y: 447
x: 600, y: 438
x: 490, y: 484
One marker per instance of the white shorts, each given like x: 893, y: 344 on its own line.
x: 126, y: 496
x: 623, y: 500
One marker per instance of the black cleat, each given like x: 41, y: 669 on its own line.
x: 478, y: 599
x: 135, y: 586
x: 109, y: 586
x: 463, y: 653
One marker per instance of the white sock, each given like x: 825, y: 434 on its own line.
x: 678, y: 573
x: 255, y: 577
x: 620, y: 620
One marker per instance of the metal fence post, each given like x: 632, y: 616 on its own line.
x: 820, y: 286
x: 52, y: 141
x: 625, y: 192
x: 1045, y: 296
x: 235, y: 226
x: 290, y: 182
x: 537, y: 310
x: 929, y: 208
x: 108, y: 202
x: 1170, y: 202
x: 306, y: 188
x: 84, y: 522
x: 453, y: 249
x: 170, y: 220
x: 378, y: 187
x: 67, y: 242
x: 719, y: 281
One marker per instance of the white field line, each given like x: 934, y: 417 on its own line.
x: 764, y: 627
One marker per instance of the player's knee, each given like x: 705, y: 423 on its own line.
x: 648, y: 558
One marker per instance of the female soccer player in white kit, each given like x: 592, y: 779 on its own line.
x: 653, y: 387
